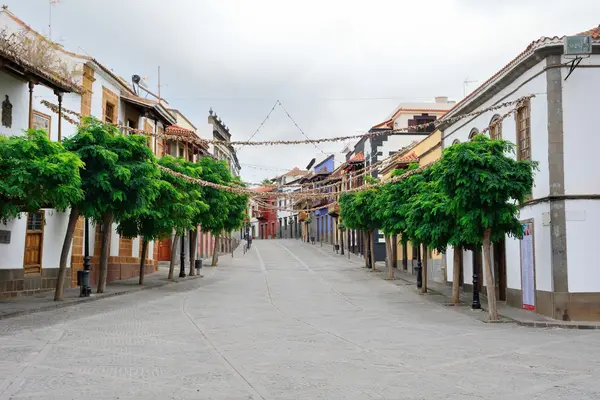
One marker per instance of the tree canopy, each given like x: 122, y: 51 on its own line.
x: 36, y: 173
x: 120, y: 173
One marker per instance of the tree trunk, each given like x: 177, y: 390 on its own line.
x: 404, y: 256
x: 394, y: 244
x: 456, y: 275
x: 489, y: 276
x: 173, y: 255
x: 372, y: 247
x: 215, y: 257
x: 193, y: 243
x: 64, y: 254
x: 424, y: 265
x: 143, y: 260
x: 390, y: 257
x: 107, y: 221
x: 365, y: 251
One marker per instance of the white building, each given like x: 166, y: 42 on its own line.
x: 223, y: 151
x: 553, y: 270
x: 30, y: 246
x: 287, y: 219
x: 405, y: 116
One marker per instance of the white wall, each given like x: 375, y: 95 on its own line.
x: 539, y: 151
x: 102, y: 80
x: 114, y: 241
x: 135, y: 243
x: 71, y: 101
x: 18, y: 94
x: 583, y: 237
x: 11, y: 255
x: 581, y: 102
x: 542, y: 250
x: 54, y: 236
x: 539, y: 123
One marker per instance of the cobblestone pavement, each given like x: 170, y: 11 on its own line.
x: 287, y: 321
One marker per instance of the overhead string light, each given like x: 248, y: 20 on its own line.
x: 302, y: 195
x: 204, y: 142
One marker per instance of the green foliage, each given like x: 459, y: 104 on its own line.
x: 120, y: 173
x: 36, y: 173
x: 220, y: 203
x: 237, y: 208
x: 358, y: 210
x: 177, y: 207
x: 485, y: 187
x: 428, y: 214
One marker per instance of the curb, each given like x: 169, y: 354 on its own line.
x: 552, y: 324
x: 55, y: 305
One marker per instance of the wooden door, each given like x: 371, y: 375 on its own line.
x: 500, y: 268
x: 34, y: 239
x: 164, y: 250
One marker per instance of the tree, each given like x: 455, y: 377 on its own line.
x: 238, y: 204
x: 215, y: 171
x: 37, y: 173
x: 174, y: 208
x: 429, y: 219
x: 486, y: 187
x: 358, y: 211
x: 118, y: 179
x: 390, y: 208
x: 190, y: 205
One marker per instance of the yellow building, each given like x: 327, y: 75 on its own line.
x: 423, y: 153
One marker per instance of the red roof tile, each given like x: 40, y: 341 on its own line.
x: 408, y: 158
x: 179, y: 129
x: 594, y: 33
x: 296, y: 172
x: 358, y: 157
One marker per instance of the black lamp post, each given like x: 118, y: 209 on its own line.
x: 85, y: 289
x: 419, y: 269
x: 182, y: 258
x: 476, y: 303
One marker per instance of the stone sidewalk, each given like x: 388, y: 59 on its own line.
x: 442, y: 294
x: 44, y: 301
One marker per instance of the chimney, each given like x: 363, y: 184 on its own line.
x: 441, y: 99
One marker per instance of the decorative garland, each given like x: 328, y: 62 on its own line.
x: 205, y: 142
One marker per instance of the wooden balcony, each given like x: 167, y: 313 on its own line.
x: 333, y: 210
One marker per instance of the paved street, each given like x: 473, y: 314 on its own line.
x: 287, y: 321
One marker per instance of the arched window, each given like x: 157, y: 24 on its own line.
x: 523, y: 133
x: 456, y: 141
x: 473, y: 132
x: 496, y: 128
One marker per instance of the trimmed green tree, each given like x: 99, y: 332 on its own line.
x: 390, y: 210
x: 36, y: 173
x: 118, y: 180
x: 486, y: 186
x: 191, y: 205
x: 358, y: 211
x: 214, y: 221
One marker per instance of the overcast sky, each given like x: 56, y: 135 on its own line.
x: 338, y: 67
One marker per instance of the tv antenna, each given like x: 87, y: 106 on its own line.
x: 465, y: 84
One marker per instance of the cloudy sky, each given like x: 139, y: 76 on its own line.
x: 338, y: 67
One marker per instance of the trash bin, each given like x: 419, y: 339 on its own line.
x: 198, y: 266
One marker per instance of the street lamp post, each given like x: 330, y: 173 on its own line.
x: 85, y: 289
x: 476, y: 303
x: 419, y: 269
x: 182, y: 257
